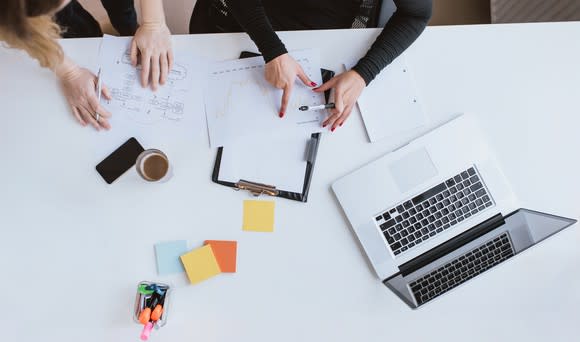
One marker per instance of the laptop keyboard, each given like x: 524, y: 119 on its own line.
x: 462, y: 269
x: 435, y: 210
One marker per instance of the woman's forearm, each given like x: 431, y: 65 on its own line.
x: 66, y: 68
x: 406, y: 24
x: 252, y: 17
x: 152, y: 12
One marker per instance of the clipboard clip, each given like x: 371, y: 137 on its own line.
x: 256, y: 189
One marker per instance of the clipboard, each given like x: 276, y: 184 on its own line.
x: 256, y: 188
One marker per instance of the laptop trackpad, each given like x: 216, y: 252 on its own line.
x: 413, y: 169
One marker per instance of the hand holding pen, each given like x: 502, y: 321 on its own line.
x: 347, y: 88
x: 79, y: 86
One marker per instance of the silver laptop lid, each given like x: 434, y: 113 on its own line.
x: 473, y: 252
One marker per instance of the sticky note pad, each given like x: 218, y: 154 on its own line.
x: 258, y: 216
x: 200, y: 264
x: 225, y: 253
x: 167, y: 255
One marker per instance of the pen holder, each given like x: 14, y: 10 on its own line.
x: 151, y: 306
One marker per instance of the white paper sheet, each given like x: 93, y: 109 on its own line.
x: 172, y: 113
x: 240, y: 103
x: 391, y: 106
x: 278, y: 161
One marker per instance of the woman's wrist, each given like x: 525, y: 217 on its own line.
x: 67, y: 69
x: 358, y: 76
x: 153, y: 26
x: 152, y: 14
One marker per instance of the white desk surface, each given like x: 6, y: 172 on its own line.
x: 73, y: 249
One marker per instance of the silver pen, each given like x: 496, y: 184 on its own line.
x: 99, y: 86
x: 324, y: 106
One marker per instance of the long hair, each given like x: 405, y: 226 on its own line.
x: 27, y: 25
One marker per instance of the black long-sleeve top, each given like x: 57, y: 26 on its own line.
x: 261, y: 18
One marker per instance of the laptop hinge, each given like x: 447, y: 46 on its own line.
x: 451, y: 245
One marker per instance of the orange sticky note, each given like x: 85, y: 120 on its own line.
x: 225, y: 253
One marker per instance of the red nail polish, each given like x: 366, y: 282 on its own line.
x: 313, y: 84
x: 341, y: 124
x: 333, y: 128
x: 323, y: 125
x: 281, y: 114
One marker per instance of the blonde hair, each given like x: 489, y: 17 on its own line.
x: 37, y: 35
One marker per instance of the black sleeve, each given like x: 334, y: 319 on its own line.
x: 252, y: 17
x: 406, y: 24
x: 122, y: 15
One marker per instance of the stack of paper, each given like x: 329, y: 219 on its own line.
x: 213, y: 258
x: 173, y: 111
x: 242, y: 112
x: 390, y: 105
x: 200, y: 264
x: 279, y: 161
x: 240, y: 104
x: 167, y: 255
x: 225, y: 253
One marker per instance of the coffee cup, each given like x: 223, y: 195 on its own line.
x: 153, y: 165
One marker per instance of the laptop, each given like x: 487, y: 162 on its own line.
x: 438, y: 212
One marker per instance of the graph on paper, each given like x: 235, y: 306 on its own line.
x: 241, y: 103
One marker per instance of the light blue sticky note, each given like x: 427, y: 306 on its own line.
x: 167, y: 254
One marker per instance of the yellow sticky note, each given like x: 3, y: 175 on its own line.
x: 259, y: 216
x: 200, y: 264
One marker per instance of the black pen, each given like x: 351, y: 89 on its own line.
x: 324, y: 106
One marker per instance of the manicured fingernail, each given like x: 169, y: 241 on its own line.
x: 313, y: 84
x: 324, y: 125
x: 281, y: 114
x: 341, y: 124
x: 333, y: 128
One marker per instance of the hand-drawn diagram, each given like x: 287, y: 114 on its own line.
x: 142, y: 105
x: 177, y: 73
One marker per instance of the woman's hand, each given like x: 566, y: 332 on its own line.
x: 281, y: 72
x: 347, y: 88
x: 151, y: 47
x: 79, y: 86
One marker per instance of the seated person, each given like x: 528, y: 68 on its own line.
x: 261, y: 18
x: 28, y: 25
x: 76, y: 22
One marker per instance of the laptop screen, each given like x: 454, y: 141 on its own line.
x: 473, y: 252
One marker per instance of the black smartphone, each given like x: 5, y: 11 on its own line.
x: 326, y: 74
x: 121, y: 160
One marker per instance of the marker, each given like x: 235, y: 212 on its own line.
x: 156, y: 313
x: 145, y: 316
x: 146, y: 331
x: 324, y: 106
x: 146, y: 290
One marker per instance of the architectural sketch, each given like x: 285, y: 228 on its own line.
x: 138, y: 104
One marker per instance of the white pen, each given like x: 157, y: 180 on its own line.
x: 99, y: 85
x: 324, y: 106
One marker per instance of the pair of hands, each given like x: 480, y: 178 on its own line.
x: 151, y: 48
x: 281, y: 72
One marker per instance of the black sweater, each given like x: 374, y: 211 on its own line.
x: 260, y: 18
